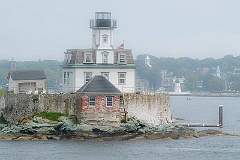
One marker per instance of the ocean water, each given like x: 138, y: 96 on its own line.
x: 206, y: 110
x: 196, y: 110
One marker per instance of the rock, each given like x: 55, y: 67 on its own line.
x: 29, y: 131
x: 66, y: 127
x: 131, y: 126
x: 209, y: 132
x: 36, y: 125
x: 84, y: 128
x: 41, y: 129
x: 141, y: 131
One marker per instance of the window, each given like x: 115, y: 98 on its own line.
x: 121, y: 78
x: 121, y: 58
x: 87, y: 76
x: 109, y: 101
x: 64, y: 77
x: 87, y: 57
x: 105, y: 74
x: 67, y: 77
x: 105, y: 38
x: 105, y: 57
x: 92, y: 100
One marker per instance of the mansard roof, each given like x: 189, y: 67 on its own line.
x: 27, y: 75
x: 99, y: 85
x: 77, y: 56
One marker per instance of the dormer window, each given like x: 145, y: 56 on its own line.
x: 105, y: 38
x: 88, y: 58
x: 122, y: 58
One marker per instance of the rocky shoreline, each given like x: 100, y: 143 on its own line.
x: 44, y: 129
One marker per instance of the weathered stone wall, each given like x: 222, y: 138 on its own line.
x: 64, y: 103
x: 153, y: 109
x: 99, y: 118
x: 2, y: 103
x: 19, y: 106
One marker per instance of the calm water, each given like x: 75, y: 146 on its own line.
x: 196, y: 110
x: 205, y: 110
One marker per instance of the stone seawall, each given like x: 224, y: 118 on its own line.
x: 19, y: 106
x: 154, y: 109
x: 2, y: 103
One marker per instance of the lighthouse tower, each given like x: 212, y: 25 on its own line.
x: 218, y: 72
x: 102, y: 30
x: 147, y: 62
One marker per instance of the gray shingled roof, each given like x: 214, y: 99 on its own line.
x: 27, y: 75
x: 99, y: 84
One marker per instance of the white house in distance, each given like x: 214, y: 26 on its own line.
x: 27, y: 81
x: 117, y: 65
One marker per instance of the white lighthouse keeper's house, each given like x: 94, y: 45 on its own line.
x: 117, y: 65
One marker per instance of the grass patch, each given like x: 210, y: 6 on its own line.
x: 50, y: 115
x: 3, y: 120
x: 129, y: 119
x: 2, y: 92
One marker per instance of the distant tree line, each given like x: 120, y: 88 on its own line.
x: 189, y: 68
x: 183, y: 66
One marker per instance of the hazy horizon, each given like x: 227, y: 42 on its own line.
x: 41, y: 29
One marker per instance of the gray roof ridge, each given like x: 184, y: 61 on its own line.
x: 113, y: 85
x: 88, y: 83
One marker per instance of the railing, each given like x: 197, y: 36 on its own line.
x: 101, y: 23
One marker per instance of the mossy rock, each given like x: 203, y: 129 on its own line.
x: 54, y: 116
x: 3, y: 120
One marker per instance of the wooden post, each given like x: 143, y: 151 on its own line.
x: 220, y: 124
x: 126, y: 116
x: 220, y: 115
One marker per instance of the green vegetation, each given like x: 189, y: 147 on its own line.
x: 2, y: 92
x: 129, y: 119
x: 3, y: 120
x: 183, y: 66
x: 54, y: 116
x: 195, y: 80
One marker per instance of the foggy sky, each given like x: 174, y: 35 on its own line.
x: 44, y: 29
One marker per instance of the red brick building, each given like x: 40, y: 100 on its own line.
x: 99, y: 102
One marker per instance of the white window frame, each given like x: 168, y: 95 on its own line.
x: 64, y: 77
x: 105, y: 74
x: 67, y: 77
x: 105, y: 57
x: 87, y: 76
x: 86, y: 57
x: 109, y: 101
x: 121, y: 78
x: 92, y: 103
x: 122, y: 58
